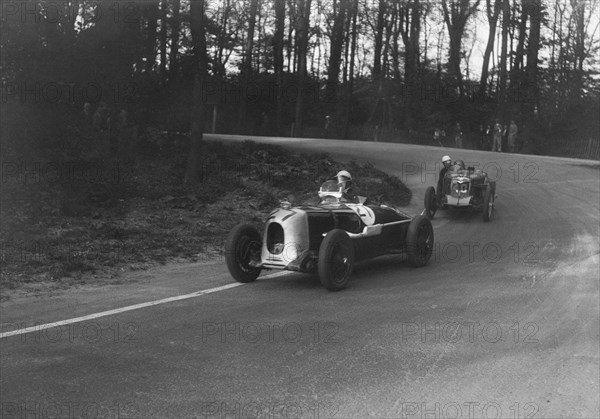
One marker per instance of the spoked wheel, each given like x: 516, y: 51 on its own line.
x: 336, y: 260
x: 488, y: 202
x: 243, y: 247
x: 419, y: 241
x: 430, y: 202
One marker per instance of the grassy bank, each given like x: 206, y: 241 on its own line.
x: 87, y: 220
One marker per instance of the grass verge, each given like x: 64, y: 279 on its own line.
x: 87, y: 220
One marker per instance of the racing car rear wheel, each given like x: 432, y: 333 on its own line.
x: 336, y: 259
x: 243, y: 246
x: 430, y: 202
x: 488, y: 202
x: 419, y: 241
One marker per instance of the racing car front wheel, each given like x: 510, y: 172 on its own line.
x: 243, y: 246
x: 336, y: 260
x: 430, y: 202
x: 488, y: 202
x: 419, y: 241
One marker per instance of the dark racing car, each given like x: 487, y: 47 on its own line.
x: 327, y: 238
x: 463, y: 188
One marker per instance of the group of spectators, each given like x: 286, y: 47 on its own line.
x: 439, y: 136
x: 499, y: 131
x: 495, y: 132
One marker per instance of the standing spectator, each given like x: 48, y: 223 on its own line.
x: 488, y: 136
x: 497, y: 136
x: 512, y: 136
x: 458, y: 136
x: 481, y: 137
x: 327, y: 125
x: 437, y: 135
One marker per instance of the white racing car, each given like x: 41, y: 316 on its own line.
x: 327, y: 238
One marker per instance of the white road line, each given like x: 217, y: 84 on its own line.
x: 39, y: 327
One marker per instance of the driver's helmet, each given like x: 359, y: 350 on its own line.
x: 344, y: 179
x: 343, y: 176
x: 446, y: 161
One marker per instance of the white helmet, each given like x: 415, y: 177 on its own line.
x: 446, y: 158
x: 344, y: 175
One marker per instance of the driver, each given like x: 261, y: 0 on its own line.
x: 344, y: 179
x: 446, y: 163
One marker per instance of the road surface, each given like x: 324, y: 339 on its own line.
x: 502, y: 322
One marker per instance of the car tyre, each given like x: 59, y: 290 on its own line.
x: 488, y: 202
x: 430, y: 202
x: 243, y: 245
x: 336, y: 260
x: 419, y: 241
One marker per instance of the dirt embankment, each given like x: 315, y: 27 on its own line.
x: 85, y: 220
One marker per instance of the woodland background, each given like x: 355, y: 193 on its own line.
x: 359, y: 69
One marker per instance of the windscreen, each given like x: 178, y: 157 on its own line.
x: 331, y: 186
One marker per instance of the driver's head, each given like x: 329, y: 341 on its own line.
x: 345, y: 179
x: 446, y: 161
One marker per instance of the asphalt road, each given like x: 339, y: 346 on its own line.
x: 502, y: 322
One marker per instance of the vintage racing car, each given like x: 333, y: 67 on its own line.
x: 327, y: 238
x: 463, y: 187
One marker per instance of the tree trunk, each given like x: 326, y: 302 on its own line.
x: 532, y: 53
x: 278, y: 59
x: 246, y: 70
x: 291, y: 44
x: 335, y: 55
x: 163, y: 40
x: 395, y: 42
x: 151, y: 13
x: 71, y: 10
x: 197, y: 118
x: 456, y: 17
x: 350, y: 86
x: 219, y: 63
x: 303, y: 20
x: 347, y: 29
x: 410, y: 28
x: 503, y: 52
x: 174, y: 41
x: 381, y: 12
x: 515, y: 76
x: 493, y: 19
x: 579, y: 49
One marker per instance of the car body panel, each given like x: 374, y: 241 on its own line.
x: 292, y: 235
x: 464, y: 187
